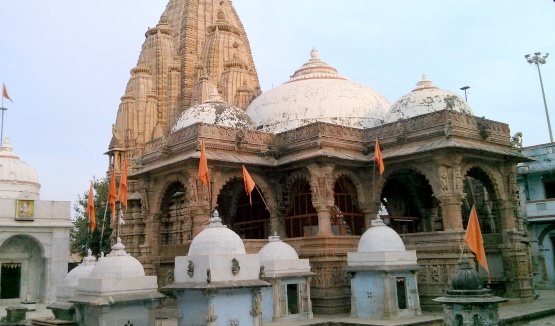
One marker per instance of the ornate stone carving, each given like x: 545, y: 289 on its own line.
x: 191, y: 269
x: 208, y: 276
x: 517, y: 140
x: 235, y: 268
x: 448, y: 130
x: 443, y: 179
x: 262, y: 273
x: 484, y: 127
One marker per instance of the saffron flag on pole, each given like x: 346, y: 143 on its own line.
x: 90, y: 209
x: 203, y: 173
x: 249, y: 183
x: 112, y: 195
x: 378, y: 157
x: 474, y: 239
x: 122, y: 191
x: 5, y: 93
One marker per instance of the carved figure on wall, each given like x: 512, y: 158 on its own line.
x: 448, y: 129
x: 257, y: 303
x: 329, y: 186
x: 443, y: 179
x: 235, y: 268
x: 137, y: 162
x: 170, y: 277
x: 262, y: 273
x: 144, y: 198
x: 458, y: 179
x: 191, y: 269
x: 517, y: 140
x: 208, y: 276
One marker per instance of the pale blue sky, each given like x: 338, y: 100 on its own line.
x: 66, y: 63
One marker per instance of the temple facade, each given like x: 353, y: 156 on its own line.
x: 309, y: 146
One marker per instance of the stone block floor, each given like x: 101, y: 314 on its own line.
x: 540, y: 312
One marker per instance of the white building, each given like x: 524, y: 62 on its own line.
x: 34, y: 234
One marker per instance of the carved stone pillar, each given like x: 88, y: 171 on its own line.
x: 388, y: 306
x: 277, y: 300
x: 197, y: 197
x: 321, y: 184
x: 505, y: 208
x: 370, y: 213
x: 451, y: 211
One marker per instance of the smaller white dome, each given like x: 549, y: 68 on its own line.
x: 83, y: 270
x: 216, y: 239
x: 214, y: 111
x: 426, y: 98
x: 16, y: 176
x: 117, y: 264
x: 379, y: 238
x: 277, y: 250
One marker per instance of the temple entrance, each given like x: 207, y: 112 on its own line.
x: 408, y: 198
x: 480, y: 192
x: 10, y: 281
x: 249, y: 221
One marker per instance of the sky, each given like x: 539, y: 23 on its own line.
x: 66, y: 63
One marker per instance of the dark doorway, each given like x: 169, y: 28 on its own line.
x: 293, y: 298
x: 401, y: 293
x: 10, y: 284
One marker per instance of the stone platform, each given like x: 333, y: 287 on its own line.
x: 538, y: 313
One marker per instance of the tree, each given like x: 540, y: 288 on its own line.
x: 80, y: 238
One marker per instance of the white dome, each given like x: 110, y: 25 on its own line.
x: 117, y: 264
x: 216, y: 239
x: 16, y: 176
x: 214, y: 111
x: 380, y: 237
x: 316, y: 93
x: 83, y: 270
x: 426, y: 98
x: 277, y: 250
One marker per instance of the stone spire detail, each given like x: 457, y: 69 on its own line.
x: 197, y: 45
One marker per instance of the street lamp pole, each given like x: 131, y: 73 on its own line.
x: 538, y: 59
x: 464, y: 88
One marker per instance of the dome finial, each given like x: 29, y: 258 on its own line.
x: 424, y: 83
x: 314, y: 53
x: 274, y: 237
x: 215, y: 221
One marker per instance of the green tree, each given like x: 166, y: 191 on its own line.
x: 80, y: 238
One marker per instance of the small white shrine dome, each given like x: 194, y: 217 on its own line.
x: 216, y: 239
x: 214, y: 111
x: 82, y: 270
x: 117, y: 264
x: 316, y: 93
x: 426, y: 98
x: 16, y: 176
x: 380, y: 238
x: 277, y: 250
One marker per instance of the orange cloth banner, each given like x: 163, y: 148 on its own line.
x: 122, y: 192
x: 378, y: 157
x: 203, y: 173
x: 5, y: 93
x: 249, y: 183
x: 112, y: 195
x: 474, y: 239
x: 90, y: 209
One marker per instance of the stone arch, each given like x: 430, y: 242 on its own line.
x: 346, y: 216
x: 260, y: 180
x: 544, y: 233
x: 355, y: 179
x: 481, y: 191
x: 409, y: 199
x: 23, y: 269
x: 493, y: 174
x: 247, y: 216
x: 175, y: 228
x: 431, y: 177
x: 301, y: 218
x: 161, y: 188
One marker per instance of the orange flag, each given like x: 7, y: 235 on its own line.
x: 203, y: 172
x: 474, y: 239
x: 5, y: 93
x: 90, y: 209
x: 122, y: 191
x: 112, y: 196
x: 249, y: 183
x: 378, y: 157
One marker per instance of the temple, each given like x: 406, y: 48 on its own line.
x: 309, y: 146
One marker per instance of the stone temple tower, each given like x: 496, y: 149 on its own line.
x: 198, y: 45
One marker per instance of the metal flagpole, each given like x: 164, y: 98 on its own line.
x: 103, y: 222
x: 2, y: 128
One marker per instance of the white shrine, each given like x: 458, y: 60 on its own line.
x: 217, y: 283
x: 383, y: 276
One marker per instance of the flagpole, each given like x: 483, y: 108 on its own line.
x: 210, y: 186
x: 103, y: 222
x: 262, y: 197
x: 2, y: 128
